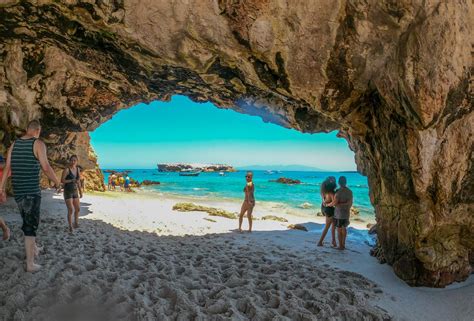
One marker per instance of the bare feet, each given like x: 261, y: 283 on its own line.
x: 334, y: 244
x: 320, y: 243
x: 38, y: 250
x: 6, y: 234
x: 240, y: 230
x: 341, y: 248
x: 250, y: 231
x: 70, y: 229
x: 76, y: 225
x: 33, y: 268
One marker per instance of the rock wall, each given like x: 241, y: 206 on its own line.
x: 62, y: 147
x: 392, y: 76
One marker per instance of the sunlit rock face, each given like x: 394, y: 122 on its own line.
x: 67, y: 144
x: 392, y: 76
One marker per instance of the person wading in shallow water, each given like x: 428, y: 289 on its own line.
x: 71, y: 180
x: 25, y: 158
x: 328, y: 191
x: 249, y: 202
x: 343, y: 203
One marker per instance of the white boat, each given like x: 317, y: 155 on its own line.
x: 269, y: 172
x: 221, y: 174
x: 189, y: 173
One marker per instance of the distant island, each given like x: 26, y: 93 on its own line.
x: 299, y: 168
x: 180, y: 167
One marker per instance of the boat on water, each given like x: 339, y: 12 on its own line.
x: 221, y: 173
x: 269, y: 172
x: 189, y: 173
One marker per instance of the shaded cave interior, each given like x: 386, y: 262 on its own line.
x: 71, y: 68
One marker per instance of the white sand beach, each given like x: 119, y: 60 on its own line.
x: 134, y: 258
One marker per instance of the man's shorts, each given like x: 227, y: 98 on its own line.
x: 29, y: 206
x: 341, y: 222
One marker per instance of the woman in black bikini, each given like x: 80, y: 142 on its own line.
x: 71, y: 180
x: 328, y: 191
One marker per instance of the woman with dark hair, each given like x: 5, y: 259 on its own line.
x: 328, y: 191
x: 71, y: 180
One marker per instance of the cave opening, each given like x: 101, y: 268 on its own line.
x: 183, y: 132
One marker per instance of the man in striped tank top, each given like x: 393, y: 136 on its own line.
x: 25, y: 158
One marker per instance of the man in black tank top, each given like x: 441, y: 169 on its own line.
x: 25, y: 158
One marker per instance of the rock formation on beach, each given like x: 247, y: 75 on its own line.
x: 300, y: 227
x: 392, y: 76
x: 274, y: 218
x: 190, y: 207
x: 61, y: 147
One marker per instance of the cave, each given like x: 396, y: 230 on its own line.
x: 393, y: 77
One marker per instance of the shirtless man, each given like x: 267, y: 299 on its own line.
x: 343, y: 203
x: 3, y: 225
x: 25, y: 158
x: 249, y: 201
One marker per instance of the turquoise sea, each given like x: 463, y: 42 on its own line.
x: 213, y: 186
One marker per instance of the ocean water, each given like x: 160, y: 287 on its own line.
x: 230, y: 187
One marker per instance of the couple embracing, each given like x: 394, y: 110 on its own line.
x: 336, y: 206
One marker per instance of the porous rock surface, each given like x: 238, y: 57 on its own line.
x: 392, y: 76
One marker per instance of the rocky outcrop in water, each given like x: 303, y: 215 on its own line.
x: 149, y: 183
x: 195, y: 167
x: 284, y: 180
x: 392, y: 76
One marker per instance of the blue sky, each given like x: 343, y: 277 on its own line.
x: 184, y: 131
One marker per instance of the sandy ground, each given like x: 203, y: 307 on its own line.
x: 133, y: 258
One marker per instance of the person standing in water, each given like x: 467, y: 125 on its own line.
x: 127, y: 184
x: 25, y: 158
x: 71, y: 180
x: 3, y: 225
x: 328, y: 192
x: 249, y: 201
x: 343, y: 203
x: 121, y: 182
x: 113, y: 181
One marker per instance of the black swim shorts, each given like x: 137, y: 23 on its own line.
x: 29, y: 206
x: 341, y: 222
x: 68, y: 194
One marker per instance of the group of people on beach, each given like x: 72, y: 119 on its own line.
x: 336, y: 207
x: 119, y: 180
x: 28, y: 155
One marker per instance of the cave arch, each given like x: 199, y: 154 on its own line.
x: 392, y: 77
